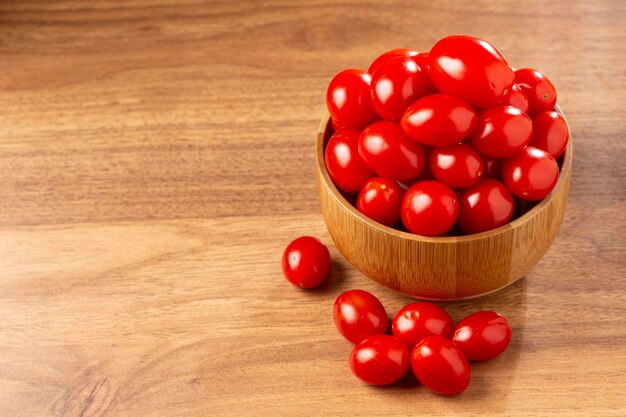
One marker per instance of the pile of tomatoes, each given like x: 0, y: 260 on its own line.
x: 449, y: 137
x: 422, y: 338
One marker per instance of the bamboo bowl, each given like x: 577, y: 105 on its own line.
x: 441, y: 268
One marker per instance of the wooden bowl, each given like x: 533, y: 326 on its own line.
x: 441, y: 268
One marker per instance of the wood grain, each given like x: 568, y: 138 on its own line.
x: 441, y: 268
x: 157, y: 156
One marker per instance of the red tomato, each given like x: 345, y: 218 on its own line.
x: 380, y: 200
x: 397, y: 83
x: 530, y: 174
x: 440, y: 366
x: 515, y: 97
x: 502, y: 131
x: 345, y: 166
x: 394, y: 53
x: 538, y: 88
x: 388, y: 152
x: 458, y: 166
x: 471, y: 69
x: 358, y: 314
x: 482, y: 335
x: 380, y: 360
x: 306, y: 262
x: 422, y: 61
x: 485, y: 206
x: 438, y: 120
x: 429, y: 208
x: 349, y: 99
x: 418, y: 320
x: 493, y: 167
x: 550, y: 133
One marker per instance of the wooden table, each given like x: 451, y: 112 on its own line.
x: 156, y: 157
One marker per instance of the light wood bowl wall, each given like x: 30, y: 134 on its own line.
x: 441, y: 268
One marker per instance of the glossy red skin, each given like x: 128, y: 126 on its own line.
x: 550, y: 133
x: 345, y: 166
x: 492, y: 168
x: 502, y: 131
x: 440, y: 366
x: 417, y: 320
x: 422, y: 60
x: 458, y: 166
x: 482, y: 336
x: 358, y: 315
x: 388, y: 152
x: 396, y: 84
x: 429, y: 208
x: 471, y: 69
x: 538, y: 89
x: 306, y: 262
x: 439, y: 120
x: 485, y: 206
x: 515, y: 97
x: 380, y: 360
x: 394, y: 53
x: 349, y: 100
x: 380, y: 200
x: 530, y: 174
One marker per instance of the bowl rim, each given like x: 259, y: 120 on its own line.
x: 321, y: 165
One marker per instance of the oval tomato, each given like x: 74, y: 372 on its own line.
x: 380, y: 200
x: 485, y: 206
x: 550, y: 133
x: 306, y: 262
x: 471, y: 69
x: 458, y: 166
x: 530, y: 174
x: 515, y: 97
x: 349, y: 99
x: 440, y: 366
x: 438, y: 120
x: 380, y: 360
x: 359, y: 314
x: 388, y: 152
x: 482, y: 335
x: 429, y: 208
x: 343, y: 162
x: 417, y: 320
x: 538, y: 88
x: 502, y: 131
x: 386, y: 56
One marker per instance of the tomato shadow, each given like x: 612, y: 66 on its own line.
x: 334, y: 281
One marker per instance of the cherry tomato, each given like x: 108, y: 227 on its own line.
x: 515, y: 97
x: 429, y: 208
x: 440, y: 365
x: 483, y: 335
x: 397, y: 83
x: 349, y: 98
x: 530, y: 174
x: 458, y: 166
x: 306, y: 262
x: 485, y: 206
x: 493, y: 167
x: 550, y: 133
x: 380, y: 360
x: 438, y: 120
x: 394, y: 53
x: 380, y: 200
x: 358, y: 314
x: 417, y: 320
x: 421, y: 60
x: 471, y: 69
x: 388, y: 152
x: 502, y: 131
x: 345, y: 166
x: 538, y: 89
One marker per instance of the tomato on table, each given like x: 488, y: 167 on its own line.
x: 306, y: 262
x: 458, y: 166
x: 380, y: 200
x: 482, y: 335
x: 344, y: 165
x: 429, y: 208
x: 388, y: 152
x: 485, y: 206
x: 471, y: 69
x: 349, y: 99
x: 550, y: 133
x: 538, y: 89
x: 502, y: 131
x: 358, y: 314
x: 440, y: 365
x: 417, y: 320
x: 531, y: 174
x: 380, y: 360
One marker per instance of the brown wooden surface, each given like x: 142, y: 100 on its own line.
x: 156, y: 157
